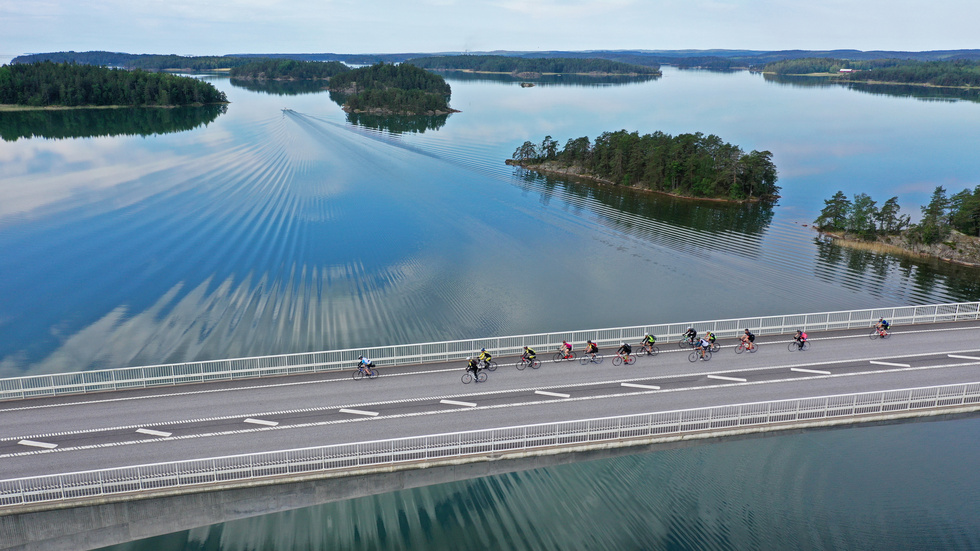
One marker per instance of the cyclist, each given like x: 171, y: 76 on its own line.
x: 648, y: 342
x: 624, y: 350
x: 591, y: 348
x: 703, y: 346
x: 566, y: 349
x: 473, y: 366
x: 691, y: 335
x: 529, y: 355
x: 711, y: 339
x: 485, y: 357
x: 800, y: 338
x: 882, y: 326
x: 365, y: 365
x: 748, y: 338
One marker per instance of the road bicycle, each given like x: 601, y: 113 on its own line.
x: 559, y: 355
x: 468, y: 377
x: 360, y: 373
x: 535, y: 363
x: 699, y: 354
x: 489, y: 366
x: 620, y: 359
x: 879, y: 333
x: 793, y: 346
x: 742, y: 347
x: 587, y: 358
x: 686, y: 342
x: 649, y: 351
x: 714, y: 347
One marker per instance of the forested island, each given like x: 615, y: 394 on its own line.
x: 288, y: 69
x: 387, y: 89
x: 691, y: 165
x: 949, y: 228
x: 149, y: 62
x: 532, y: 66
x: 950, y: 73
x: 47, y: 84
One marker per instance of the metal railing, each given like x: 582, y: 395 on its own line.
x: 382, y: 453
x: 310, y: 362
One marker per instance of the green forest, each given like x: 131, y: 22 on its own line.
x: 288, y: 69
x: 695, y: 165
x: 508, y: 64
x: 150, y: 62
x: 394, y: 89
x: 66, y: 84
x: 862, y: 217
x: 905, y: 71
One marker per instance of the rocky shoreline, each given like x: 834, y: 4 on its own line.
x: 957, y: 249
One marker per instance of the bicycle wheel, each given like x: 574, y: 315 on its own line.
x: 358, y: 375
x: 374, y: 373
x: 535, y: 363
x: 715, y: 347
x: 654, y: 351
x: 481, y: 377
x: 806, y: 345
x: 571, y: 356
x: 618, y: 360
x: 584, y: 359
x: 558, y: 357
x: 885, y: 335
x: 693, y: 356
x: 521, y: 365
x: 873, y: 335
x: 740, y: 348
x: 707, y: 355
x: 683, y: 342
x: 492, y: 365
x: 467, y: 378
x: 754, y: 349
x: 598, y: 359
x: 793, y: 346
x: 631, y: 360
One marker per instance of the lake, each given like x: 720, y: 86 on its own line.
x: 280, y: 226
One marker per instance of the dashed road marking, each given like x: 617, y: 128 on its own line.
x: 957, y: 356
x: 645, y: 387
x: 457, y: 403
x: 262, y: 422
x: 36, y: 444
x: 814, y: 371
x: 359, y: 412
x: 555, y: 394
x: 876, y: 362
x: 723, y: 378
x: 152, y: 432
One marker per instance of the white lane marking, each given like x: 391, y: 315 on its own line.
x: 261, y: 422
x: 485, y: 393
x: 359, y: 412
x: 957, y: 356
x: 152, y: 432
x: 723, y: 378
x: 555, y: 394
x: 457, y: 403
x: 438, y: 412
x: 646, y: 387
x: 36, y: 444
x: 876, y: 362
x: 815, y: 371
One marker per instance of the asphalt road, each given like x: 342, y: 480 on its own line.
x: 76, y: 433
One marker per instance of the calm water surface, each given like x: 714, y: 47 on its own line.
x: 263, y: 231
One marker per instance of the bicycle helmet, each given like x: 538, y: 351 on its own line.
x: 360, y: 357
x: 483, y: 350
x: 469, y: 357
x: 622, y: 344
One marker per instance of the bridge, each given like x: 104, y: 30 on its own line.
x: 94, y: 458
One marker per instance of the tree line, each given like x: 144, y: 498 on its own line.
x: 960, y: 72
x: 289, y: 69
x: 508, y: 64
x: 695, y: 165
x: 150, y: 62
x: 402, y: 88
x: 67, y: 84
x: 863, y: 218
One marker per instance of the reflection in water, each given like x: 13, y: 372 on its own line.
x: 281, y: 87
x: 909, y: 486
x: 398, y: 124
x: 84, y: 123
x: 549, y: 80
x: 925, y: 93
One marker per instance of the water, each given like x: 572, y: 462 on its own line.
x: 263, y: 231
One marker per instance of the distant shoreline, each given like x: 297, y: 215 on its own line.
x: 837, y: 77
x: 960, y: 249
x: 534, y: 74
x: 7, y: 107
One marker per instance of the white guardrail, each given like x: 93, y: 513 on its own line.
x: 311, y: 362
x: 382, y: 453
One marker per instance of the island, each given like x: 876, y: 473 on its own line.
x: 687, y: 165
x: 67, y: 85
x: 949, y: 229
x: 533, y: 67
x: 288, y: 69
x: 388, y: 89
x: 959, y: 73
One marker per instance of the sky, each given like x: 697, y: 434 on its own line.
x: 214, y: 27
